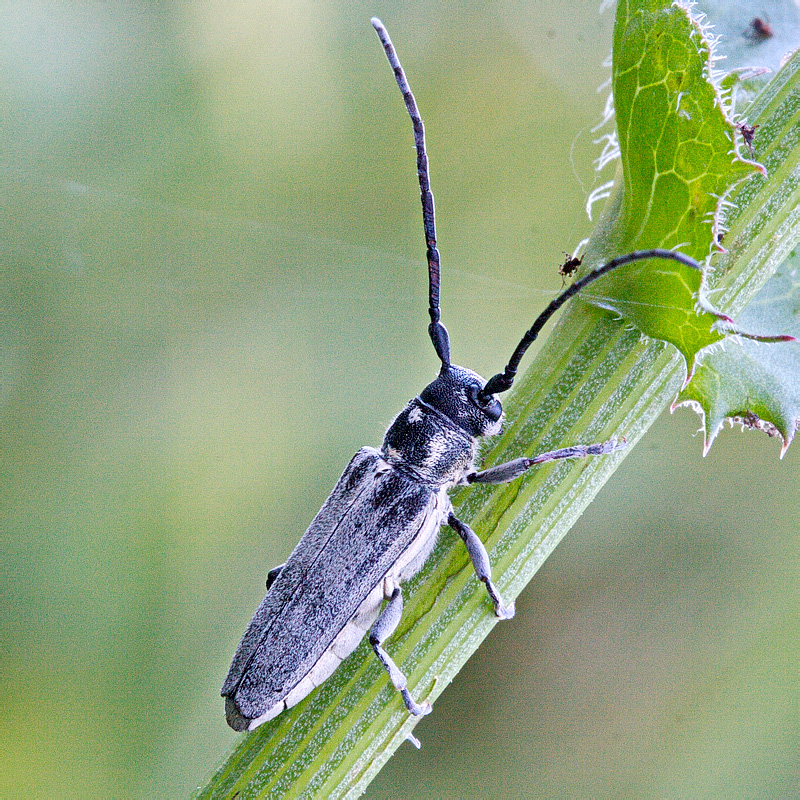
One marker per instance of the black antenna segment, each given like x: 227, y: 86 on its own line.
x: 503, y: 381
x: 437, y: 331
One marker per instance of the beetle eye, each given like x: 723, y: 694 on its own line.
x: 493, y: 410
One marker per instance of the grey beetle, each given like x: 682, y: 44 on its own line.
x: 381, y: 521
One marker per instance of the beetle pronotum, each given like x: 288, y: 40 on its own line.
x: 381, y: 521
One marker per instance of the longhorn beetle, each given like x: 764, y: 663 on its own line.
x: 381, y: 521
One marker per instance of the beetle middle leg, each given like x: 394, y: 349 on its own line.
x: 383, y: 628
x: 480, y: 562
x: 503, y: 473
x: 272, y: 574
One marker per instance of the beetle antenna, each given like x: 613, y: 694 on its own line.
x: 503, y: 381
x: 437, y: 331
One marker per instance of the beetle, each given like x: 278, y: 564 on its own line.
x: 343, y: 580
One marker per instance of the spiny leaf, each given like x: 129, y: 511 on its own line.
x: 759, y: 385
x: 756, y: 384
x: 680, y: 154
x: 679, y: 159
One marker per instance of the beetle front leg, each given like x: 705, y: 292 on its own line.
x: 480, y: 562
x: 383, y: 628
x: 503, y: 473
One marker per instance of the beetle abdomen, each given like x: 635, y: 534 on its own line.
x: 332, y: 580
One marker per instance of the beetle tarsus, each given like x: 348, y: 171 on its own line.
x: 417, y: 709
x: 413, y: 740
x: 500, y: 611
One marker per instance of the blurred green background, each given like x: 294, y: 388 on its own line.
x: 213, y: 293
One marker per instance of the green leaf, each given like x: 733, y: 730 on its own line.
x: 680, y: 157
x: 752, y: 383
x: 759, y: 384
x: 680, y: 169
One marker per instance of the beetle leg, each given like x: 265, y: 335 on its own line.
x: 480, y: 562
x: 503, y: 473
x: 273, y: 573
x: 382, y: 629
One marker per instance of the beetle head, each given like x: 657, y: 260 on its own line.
x: 457, y: 394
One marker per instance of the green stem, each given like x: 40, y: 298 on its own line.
x: 764, y: 222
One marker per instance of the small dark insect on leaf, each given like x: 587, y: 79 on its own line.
x: 748, y: 134
x: 753, y: 422
x: 759, y: 30
x: 750, y: 419
x: 569, y: 267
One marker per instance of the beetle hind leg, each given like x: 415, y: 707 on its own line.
x: 383, y: 628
